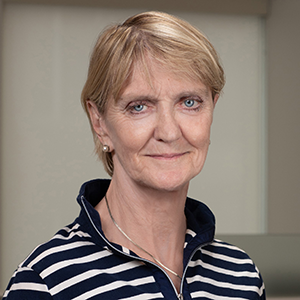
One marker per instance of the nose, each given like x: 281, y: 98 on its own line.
x: 167, y: 127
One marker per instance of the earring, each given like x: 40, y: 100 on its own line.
x: 105, y: 148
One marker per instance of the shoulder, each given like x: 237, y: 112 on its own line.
x: 224, y: 267
x: 229, y: 256
x: 26, y: 284
x: 51, y: 261
x: 68, y: 243
x: 218, y: 247
x: 234, y: 263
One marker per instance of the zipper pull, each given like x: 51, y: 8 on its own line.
x: 180, y: 296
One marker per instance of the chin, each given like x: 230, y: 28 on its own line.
x: 168, y: 183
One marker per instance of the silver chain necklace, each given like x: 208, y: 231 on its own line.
x: 134, y: 243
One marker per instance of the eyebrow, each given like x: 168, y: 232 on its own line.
x: 133, y: 97
x: 202, y: 92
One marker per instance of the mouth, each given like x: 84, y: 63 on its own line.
x: 167, y: 156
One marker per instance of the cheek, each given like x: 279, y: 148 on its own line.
x: 128, y: 135
x: 197, y: 132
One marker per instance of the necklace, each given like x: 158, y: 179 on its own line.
x: 134, y: 243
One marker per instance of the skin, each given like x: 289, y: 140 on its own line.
x: 159, y: 134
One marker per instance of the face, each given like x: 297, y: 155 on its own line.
x: 158, y: 133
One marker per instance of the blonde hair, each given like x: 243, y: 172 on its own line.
x: 173, y: 42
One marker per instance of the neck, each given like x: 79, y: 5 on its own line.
x: 154, y: 220
x: 139, y: 209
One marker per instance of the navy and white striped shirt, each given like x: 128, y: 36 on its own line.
x: 79, y: 263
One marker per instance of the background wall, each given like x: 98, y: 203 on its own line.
x: 283, y: 44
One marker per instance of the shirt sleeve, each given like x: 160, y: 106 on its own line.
x: 26, y: 284
x: 262, y: 294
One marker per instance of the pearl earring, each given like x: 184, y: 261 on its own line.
x: 105, y: 148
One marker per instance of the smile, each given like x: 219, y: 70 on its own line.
x: 167, y: 156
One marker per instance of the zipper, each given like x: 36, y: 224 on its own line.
x: 180, y: 295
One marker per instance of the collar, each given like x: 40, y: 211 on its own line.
x: 200, y: 219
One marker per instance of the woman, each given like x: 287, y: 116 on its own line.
x: 150, y: 94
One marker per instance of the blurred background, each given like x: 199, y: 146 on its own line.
x: 251, y: 177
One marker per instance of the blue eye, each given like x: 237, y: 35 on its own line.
x: 138, y: 107
x: 189, y: 102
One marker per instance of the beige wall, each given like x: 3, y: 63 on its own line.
x: 257, y: 7
x: 283, y: 61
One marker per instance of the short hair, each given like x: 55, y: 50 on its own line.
x: 173, y: 42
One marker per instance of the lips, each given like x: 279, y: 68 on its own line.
x: 167, y: 156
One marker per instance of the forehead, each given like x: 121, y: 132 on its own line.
x: 153, y: 76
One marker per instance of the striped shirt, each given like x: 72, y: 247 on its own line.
x: 79, y: 263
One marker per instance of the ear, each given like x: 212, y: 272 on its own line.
x: 98, y: 122
x: 216, y: 99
